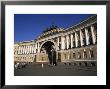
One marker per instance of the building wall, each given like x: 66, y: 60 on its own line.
x: 77, y: 54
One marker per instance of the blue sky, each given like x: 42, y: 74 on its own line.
x: 29, y: 26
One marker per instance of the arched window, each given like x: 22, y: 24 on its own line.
x: 79, y: 55
x: 91, y: 53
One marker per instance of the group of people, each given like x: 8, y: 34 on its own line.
x: 19, y: 65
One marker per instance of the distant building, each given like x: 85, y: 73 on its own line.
x: 76, y: 44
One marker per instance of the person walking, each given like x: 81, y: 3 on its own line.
x: 42, y: 65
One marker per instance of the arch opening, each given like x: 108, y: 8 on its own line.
x: 49, y: 48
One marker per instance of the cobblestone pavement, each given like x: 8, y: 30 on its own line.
x: 59, y: 70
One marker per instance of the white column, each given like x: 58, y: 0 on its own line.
x: 58, y: 41
x: 24, y: 49
x: 34, y: 48
x: 71, y: 40
x: 38, y: 48
x: 87, y: 37
x: 18, y: 49
x: 93, y: 35
x: 30, y: 48
x: 81, y: 39
x: 62, y: 43
x: 27, y: 49
x: 67, y: 37
x: 76, y: 40
x: 89, y: 54
x: 21, y: 49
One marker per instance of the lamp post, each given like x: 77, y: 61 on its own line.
x: 52, y: 55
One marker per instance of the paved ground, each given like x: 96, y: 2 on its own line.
x: 59, y: 70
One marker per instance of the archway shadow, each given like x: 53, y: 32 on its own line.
x: 50, y: 50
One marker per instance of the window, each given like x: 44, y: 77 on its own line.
x: 70, y: 56
x: 91, y: 53
x: 74, y: 55
x: 42, y: 58
x: 65, y: 55
x: 79, y: 55
x: 59, y: 57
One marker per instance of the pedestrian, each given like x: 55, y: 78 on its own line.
x: 42, y: 65
x: 16, y: 65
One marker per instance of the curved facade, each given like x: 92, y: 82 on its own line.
x: 76, y: 44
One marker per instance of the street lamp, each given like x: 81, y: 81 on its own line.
x: 52, y: 55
